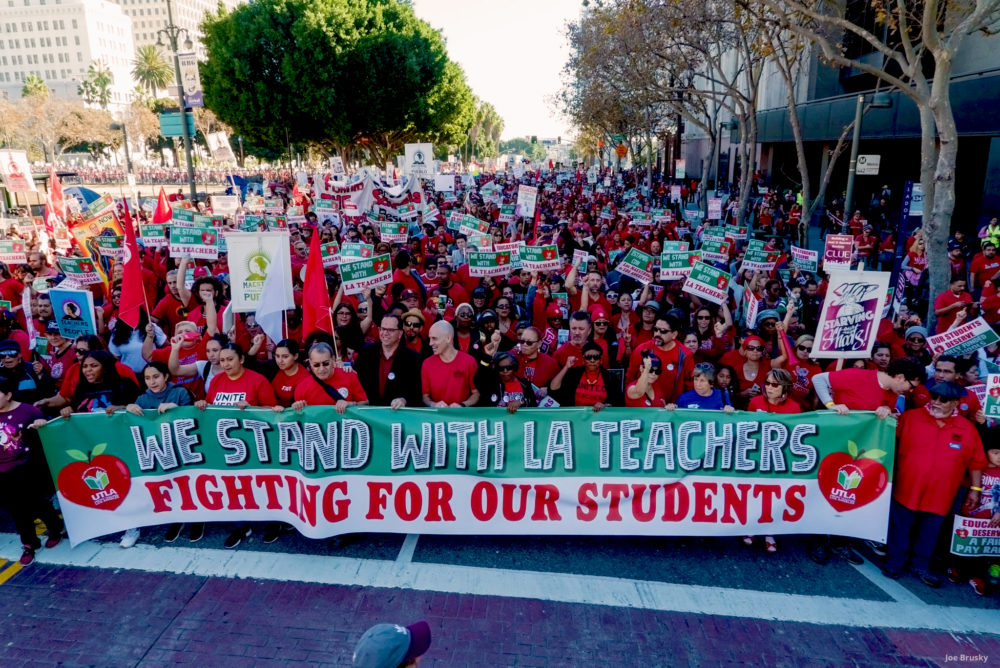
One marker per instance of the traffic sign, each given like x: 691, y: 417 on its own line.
x: 868, y: 165
x: 621, y: 150
x: 170, y: 124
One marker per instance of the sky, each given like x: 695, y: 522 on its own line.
x: 513, y: 52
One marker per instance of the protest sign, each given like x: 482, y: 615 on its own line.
x: 760, y: 260
x: 15, y: 172
x: 751, y: 306
x: 707, y: 282
x: 991, y: 406
x: 736, y: 233
x: 225, y: 205
x: 153, y: 236
x: 641, y: 218
x: 419, y: 160
x: 507, y: 214
x: 488, y: 263
x: 367, y: 273
x: 715, y: 251
x: 197, y: 241
x: 337, y: 166
x: 63, y: 239
x: 713, y: 233
x: 276, y: 223
x: 274, y: 206
x: 74, y: 311
x: 975, y: 537
x: 112, y: 247
x: 455, y: 220
x: 540, y: 258
x: 13, y: 252
x: 182, y: 215
x: 851, y: 311
x: 805, y: 259
x: 669, y: 245
x: 637, y: 265
x: 676, y: 264
x: 330, y: 253
x: 963, y: 339
x: 675, y: 194
x: 355, y: 250
x: 473, y: 227
x: 444, y: 183
x: 80, y: 269
x: 393, y: 233
x: 514, y: 248
x: 252, y: 256
x: 837, y: 252
x: 449, y: 471
x: 526, y: 197
x: 714, y: 208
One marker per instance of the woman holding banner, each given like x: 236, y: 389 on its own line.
x: 587, y: 385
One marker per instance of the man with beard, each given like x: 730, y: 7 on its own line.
x: 580, y: 331
x: 413, y: 333
x: 936, y: 449
x: 535, y: 366
x: 390, y: 372
x: 592, y: 283
x: 677, y: 362
x: 453, y: 293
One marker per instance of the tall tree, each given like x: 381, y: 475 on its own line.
x: 96, y: 85
x: 151, y: 70
x: 34, y: 86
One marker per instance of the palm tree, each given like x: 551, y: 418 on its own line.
x: 34, y: 86
x: 96, y: 86
x: 150, y: 69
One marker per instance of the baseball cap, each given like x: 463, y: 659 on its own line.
x: 9, y: 346
x: 597, y: 312
x: 410, y: 294
x: 388, y: 645
x: 653, y: 304
x: 52, y: 327
x: 553, y: 311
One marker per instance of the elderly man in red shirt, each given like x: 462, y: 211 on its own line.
x: 935, y: 447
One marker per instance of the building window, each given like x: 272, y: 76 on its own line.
x: 73, y: 23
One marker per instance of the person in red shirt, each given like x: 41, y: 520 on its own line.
x: 949, y: 302
x: 535, y: 366
x: 867, y: 389
x: 866, y: 245
x: 645, y: 392
x: 677, y: 360
x: 290, y: 374
x: 580, y: 331
x: 946, y: 371
x: 985, y: 266
x: 936, y: 447
x: 777, y: 394
x: 328, y: 384
x: 237, y: 385
x: 169, y: 311
x: 448, y: 375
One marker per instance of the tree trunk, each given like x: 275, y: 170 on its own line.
x: 928, y: 168
x: 937, y: 218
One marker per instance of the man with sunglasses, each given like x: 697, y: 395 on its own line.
x: 414, y: 324
x: 536, y: 367
x: 677, y: 361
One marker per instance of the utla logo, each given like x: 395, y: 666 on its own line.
x: 962, y: 533
x: 208, y: 238
x: 722, y: 282
x: 852, y: 479
x: 95, y: 480
x: 86, y: 267
x: 549, y: 253
x: 380, y: 266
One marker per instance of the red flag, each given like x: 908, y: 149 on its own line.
x: 315, y: 295
x: 163, y: 212
x: 50, y: 215
x: 56, y: 195
x: 133, y: 292
x: 538, y: 218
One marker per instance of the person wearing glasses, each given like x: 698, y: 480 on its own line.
x: 644, y: 391
x: 777, y: 394
x: 676, y: 360
x: 915, y: 344
x: 71, y: 377
x: 536, y: 367
x: 389, y: 370
x: 505, y: 389
x: 414, y: 337
x: 328, y: 383
x: 587, y: 385
x: 751, y: 366
x: 704, y: 396
x: 31, y: 382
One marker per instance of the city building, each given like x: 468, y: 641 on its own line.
x: 57, y: 40
x: 148, y: 16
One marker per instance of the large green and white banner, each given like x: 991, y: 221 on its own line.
x: 461, y: 471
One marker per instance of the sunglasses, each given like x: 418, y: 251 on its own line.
x: 527, y: 343
x: 317, y: 365
x: 915, y: 339
x: 703, y: 317
x: 503, y: 307
x: 412, y: 325
x: 81, y: 351
x: 465, y: 314
x: 662, y: 330
x: 505, y: 367
x: 771, y: 383
x: 601, y: 323
x: 803, y: 348
x: 755, y: 349
x: 592, y: 358
x: 9, y: 353
x: 656, y: 370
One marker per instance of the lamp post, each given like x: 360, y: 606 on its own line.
x: 172, y: 32
x: 879, y: 101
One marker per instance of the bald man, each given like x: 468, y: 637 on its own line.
x: 448, y: 375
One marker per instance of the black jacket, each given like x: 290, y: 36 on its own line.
x: 405, y: 375
x: 566, y: 394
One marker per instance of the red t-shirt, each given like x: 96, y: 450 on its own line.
x: 858, y: 389
x: 591, y: 390
x: 169, y: 311
x: 982, y: 269
x: 644, y: 401
x: 194, y: 384
x: 59, y: 364
x: 760, y: 404
x: 947, y: 298
x: 569, y: 349
x: 539, y: 371
x: 345, y: 382
x: 450, y: 382
x: 285, y: 385
x: 72, y: 378
x: 670, y: 386
x: 250, y: 387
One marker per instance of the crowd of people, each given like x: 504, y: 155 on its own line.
x: 583, y: 336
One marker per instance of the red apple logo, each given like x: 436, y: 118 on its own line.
x: 380, y: 266
x: 207, y: 238
x: 96, y: 481
x: 402, y: 228
x: 549, y: 254
x: 649, y: 265
x: 18, y: 248
x: 366, y: 252
x: 962, y: 533
x: 692, y: 259
x: 771, y: 257
x: 722, y: 282
x: 852, y: 479
x: 503, y: 258
x: 86, y: 267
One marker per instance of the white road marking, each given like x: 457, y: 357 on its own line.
x: 897, y: 591
x: 555, y: 587
x: 409, y: 546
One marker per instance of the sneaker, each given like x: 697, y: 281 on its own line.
x: 820, y: 554
x: 848, y: 554
x: 197, y: 532
x: 931, y: 581
x: 129, y: 538
x: 770, y: 544
x: 954, y: 576
x: 52, y: 541
x: 173, y: 531
x: 28, y: 555
x: 878, y: 548
x: 978, y: 586
x: 891, y: 574
x: 272, y: 532
x: 236, y: 537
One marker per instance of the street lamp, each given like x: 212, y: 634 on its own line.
x: 879, y: 101
x: 171, y: 33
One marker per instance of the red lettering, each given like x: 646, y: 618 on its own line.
x: 439, y: 502
x: 335, y: 511
x: 484, y: 501
x: 794, y: 500
x: 378, y: 495
x: 638, y: 491
x: 546, y: 497
x: 240, y: 487
x: 307, y: 502
x: 210, y: 500
x: 293, y: 494
x: 767, y: 494
x: 509, y: 512
x: 615, y: 491
x: 731, y: 502
x: 408, y: 501
x: 271, y: 482
x: 187, y: 501
x: 159, y: 491
x: 704, y: 495
x: 676, y: 502
x: 586, y: 508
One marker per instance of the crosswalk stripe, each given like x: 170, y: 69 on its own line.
x: 9, y: 572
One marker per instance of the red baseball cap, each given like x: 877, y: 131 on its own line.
x: 553, y: 311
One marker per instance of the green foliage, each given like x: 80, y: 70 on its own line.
x: 523, y: 146
x: 334, y: 72
x: 34, y: 86
x: 96, y: 85
x: 151, y: 70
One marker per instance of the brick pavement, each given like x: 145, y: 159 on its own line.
x: 79, y: 616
